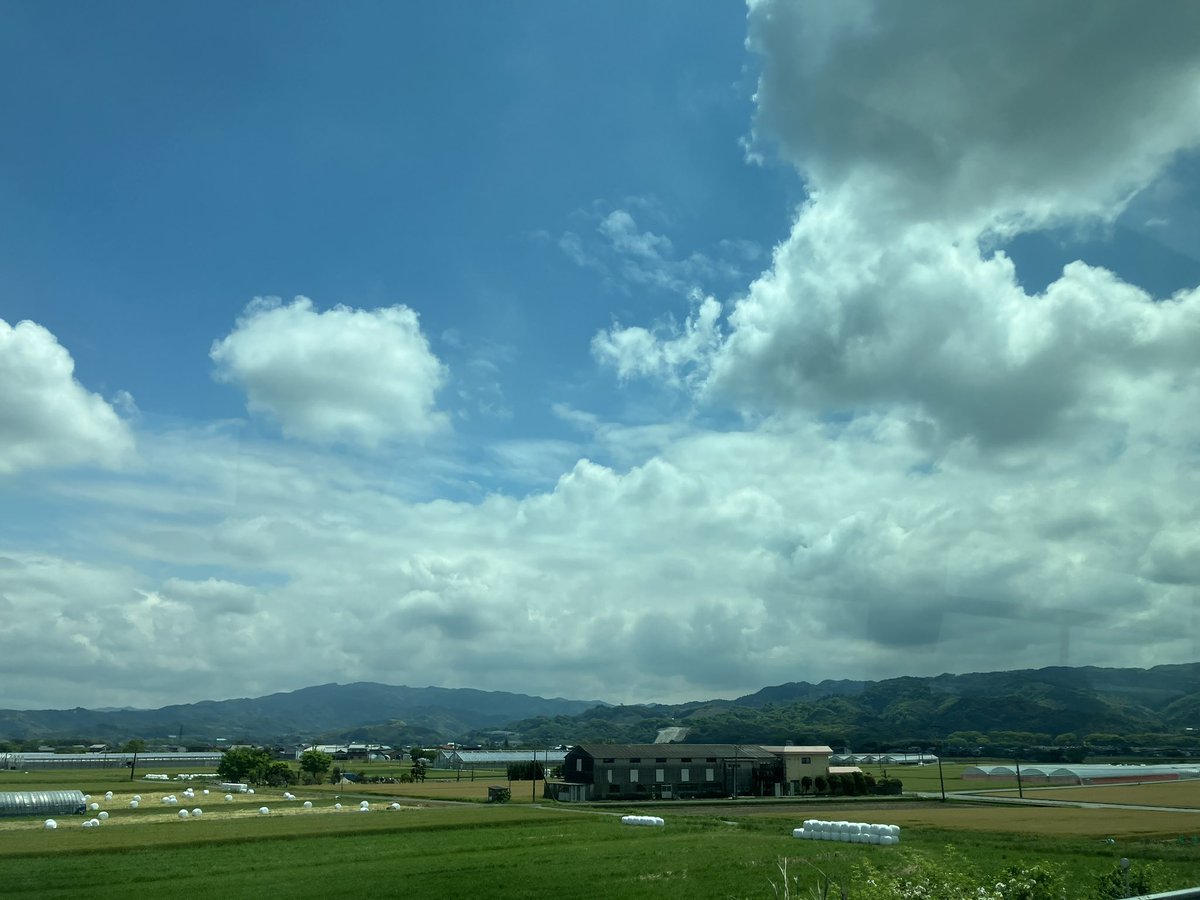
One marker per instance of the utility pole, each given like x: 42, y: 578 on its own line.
x: 941, y: 778
x: 1020, y: 792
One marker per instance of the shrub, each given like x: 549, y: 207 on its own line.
x: 1143, y: 879
x: 954, y: 877
x: 890, y: 786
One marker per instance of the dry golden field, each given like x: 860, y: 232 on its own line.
x: 1174, y: 794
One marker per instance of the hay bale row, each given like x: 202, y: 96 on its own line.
x: 848, y: 832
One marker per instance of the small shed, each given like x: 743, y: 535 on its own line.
x: 41, y: 803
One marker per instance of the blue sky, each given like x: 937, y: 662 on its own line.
x: 175, y: 162
x: 629, y: 351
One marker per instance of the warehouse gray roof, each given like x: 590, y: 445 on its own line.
x: 483, y: 757
x: 676, y: 751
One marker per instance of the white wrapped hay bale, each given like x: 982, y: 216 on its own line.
x: 308, y: 804
x: 197, y: 812
x: 108, y: 795
x: 337, y: 806
x: 183, y: 814
x: 262, y: 811
x: 133, y: 804
x: 49, y: 824
x: 103, y: 815
x: 228, y: 797
x: 93, y: 806
x: 651, y: 821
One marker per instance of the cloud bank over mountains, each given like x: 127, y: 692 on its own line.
x: 892, y: 457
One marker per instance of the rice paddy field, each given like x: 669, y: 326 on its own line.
x: 441, y: 842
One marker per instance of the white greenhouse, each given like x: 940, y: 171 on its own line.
x: 41, y: 803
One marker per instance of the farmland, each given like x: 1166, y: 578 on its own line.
x: 1175, y: 794
x: 435, y: 846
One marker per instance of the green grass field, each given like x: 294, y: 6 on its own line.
x: 523, y: 850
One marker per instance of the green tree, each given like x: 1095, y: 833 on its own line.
x: 278, y: 774
x: 859, y: 782
x: 314, y: 764
x: 248, y: 764
x: 806, y: 784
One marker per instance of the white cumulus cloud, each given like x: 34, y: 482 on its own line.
x: 922, y: 130
x: 344, y: 375
x: 670, y: 352
x: 47, y: 418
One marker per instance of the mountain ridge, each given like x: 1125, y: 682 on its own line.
x: 1054, y: 700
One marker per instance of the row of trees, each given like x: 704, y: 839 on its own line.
x: 526, y: 770
x: 254, y: 765
x: 850, y: 784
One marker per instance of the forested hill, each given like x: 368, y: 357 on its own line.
x: 1062, y: 704
x: 361, y: 711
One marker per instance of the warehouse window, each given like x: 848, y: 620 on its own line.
x: 633, y: 775
x: 578, y: 765
x: 708, y: 774
x: 660, y: 774
x: 609, y: 774
x: 806, y: 760
x: 685, y: 774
